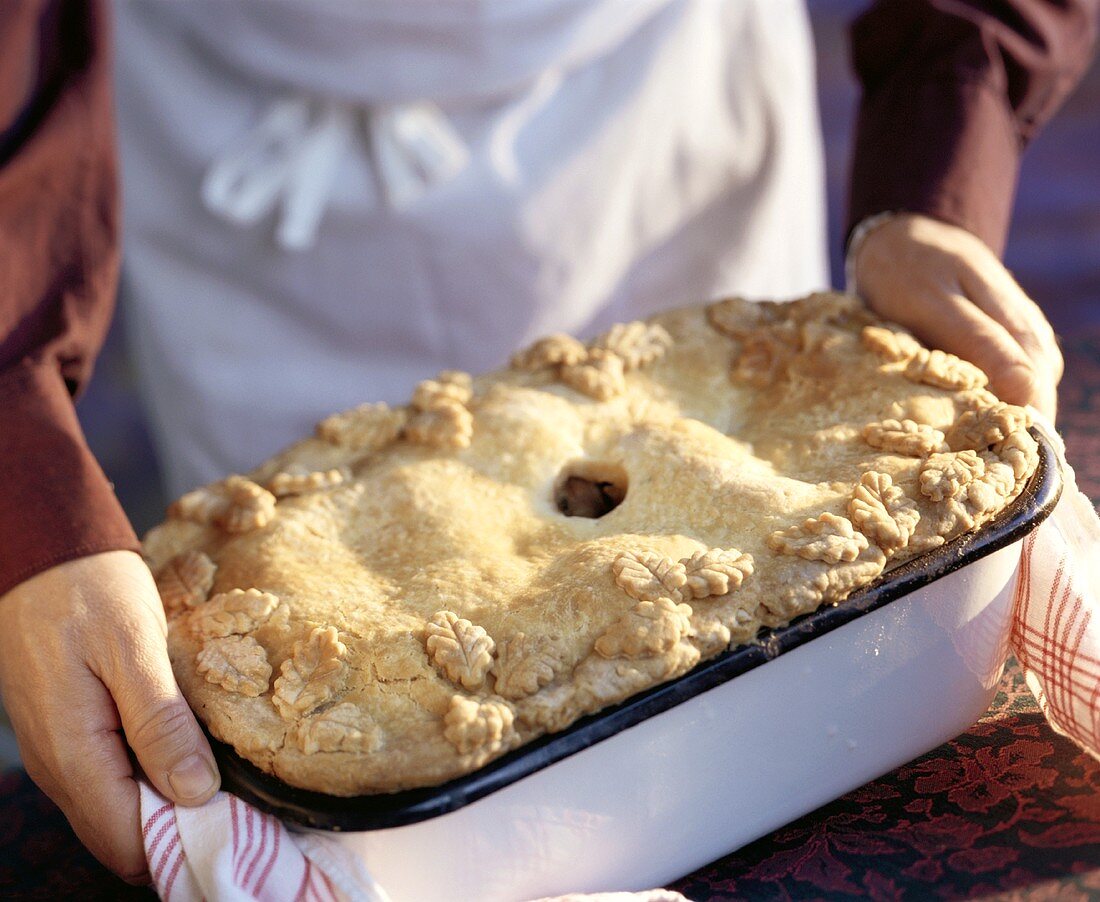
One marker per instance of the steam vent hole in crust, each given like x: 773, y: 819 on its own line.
x: 588, y: 488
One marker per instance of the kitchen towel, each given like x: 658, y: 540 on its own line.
x: 1056, y: 620
x: 228, y: 851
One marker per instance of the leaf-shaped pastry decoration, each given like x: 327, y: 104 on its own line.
x: 967, y: 487
x: 251, y: 506
x: 449, y: 387
x: 883, y: 512
x: 715, y: 572
x: 235, y: 612
x: 446, y: 425
x: 524, y: 664
x: 904, y: 437
x: 363, y: 429
x: 946, y: 475
x: 552, y: 351
x: 738, y: 317
x: 978, y: 429
x: 460, y: 649
x: 599, y: 375
x: 891, y: 345
x: 763, y: 359
x: 479, y: 727
x: 943, y: 370
x: 185, y: 581
x: 202, y: 505
x: 342, y: 728
x: 647, y: 575
x: 827, y: 538
x: 312, y: 675
x: 297, y: 480
x: 989, y: 491
x: 237, y: 504
x: 637, y: 344
x: 648, y: 628
x: 236, y: 663
x: 1020, y: 451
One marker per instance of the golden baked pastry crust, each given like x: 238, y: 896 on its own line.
x: 400, y: 598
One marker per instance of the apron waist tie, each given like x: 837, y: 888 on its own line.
x: 291, y: 157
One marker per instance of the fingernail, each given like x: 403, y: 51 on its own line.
x: 192, y: 779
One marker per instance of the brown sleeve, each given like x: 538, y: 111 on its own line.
x: 952, y: 92
x: 58, y: 274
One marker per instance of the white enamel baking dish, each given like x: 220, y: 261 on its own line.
x: 641, y: 794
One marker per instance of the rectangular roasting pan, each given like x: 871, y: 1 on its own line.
x: 677, y: 776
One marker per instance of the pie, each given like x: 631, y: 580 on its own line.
x: 412, y: 592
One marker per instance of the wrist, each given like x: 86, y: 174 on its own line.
x: 857, y: 239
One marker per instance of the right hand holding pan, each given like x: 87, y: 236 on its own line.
x: 84, y: 672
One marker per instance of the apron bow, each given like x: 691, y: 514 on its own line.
x: 290, y: 160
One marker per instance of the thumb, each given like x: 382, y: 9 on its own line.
x: 159, y: 726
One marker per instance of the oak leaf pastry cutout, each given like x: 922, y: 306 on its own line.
x: 548, y: 709
x: 447, y: 424
x: 236, y: 612
x: 764, y: 358
x: 550, y: 352
x: 636, y: 344
x: 523, y: 665
x: 479, y: 727
x: 235, y: 663
x: 978, y: 429
x: 462, y: 651
x: 186, y: 580
x: 883, y: 512
x: 313, y: 675
x: 813, y: 583
x: 236, y: 504
x: 968, y: 488
x: 297, y: 480
x: 599, y: 375
x: 342, y: 728
x: 827, y: 538
x: 449, y: 387
x: 738, y: 317
x: 943, y: 370
x: 947, y: 474
x: 363, y: 429
x: 648, y: 628
x: 364, y: 659
x: 715, y: 572
x: 647, y: 575
x: 1020, y: 452
x: 904, y: 437
x: 892, y: 345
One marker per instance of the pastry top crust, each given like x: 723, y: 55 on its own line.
x: 413, y: 592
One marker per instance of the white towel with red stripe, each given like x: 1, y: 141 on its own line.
x: 227, y: 850
x: 1056, y: 622
x: 230, y: 852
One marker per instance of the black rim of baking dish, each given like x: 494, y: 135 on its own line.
x: 375, y: 812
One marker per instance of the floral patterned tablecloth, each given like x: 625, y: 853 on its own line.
x: 1009, y: 809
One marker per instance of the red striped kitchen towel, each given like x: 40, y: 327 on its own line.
x: 227, y: 851
x: 1056, y: 623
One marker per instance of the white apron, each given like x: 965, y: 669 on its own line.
x: 326, y: 201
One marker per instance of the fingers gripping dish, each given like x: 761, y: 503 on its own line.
x: 413, y: 592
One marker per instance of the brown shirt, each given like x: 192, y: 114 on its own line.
x: 953, y: 90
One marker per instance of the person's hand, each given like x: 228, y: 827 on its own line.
x: 83, y: 657
x: 947, y: 287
